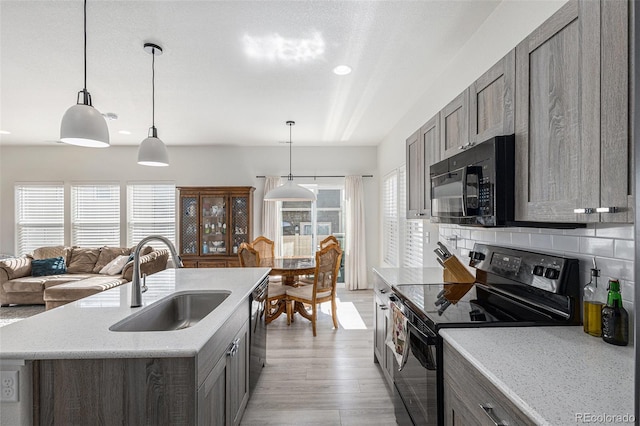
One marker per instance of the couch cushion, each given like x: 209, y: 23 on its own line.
x: 25, y: 285
x: 79, y: 289
x: 52, y: 266
x: 53, y: 280
x: 16, y: 266
x: 83, y: 260
x: 52, y: 251
x: 107, y: 254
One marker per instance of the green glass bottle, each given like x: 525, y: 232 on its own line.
x: 615, y: 319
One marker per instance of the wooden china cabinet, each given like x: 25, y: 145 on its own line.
x: 213, y: 221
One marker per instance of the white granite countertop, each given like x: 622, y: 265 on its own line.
x: 553, y: 374
x: 395, y: 276
x: 81, y: 329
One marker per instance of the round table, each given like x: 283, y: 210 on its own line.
x: 289, y: 267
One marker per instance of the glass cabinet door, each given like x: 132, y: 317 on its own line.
x: 189, y: 225
x: 239, y: 221
x: 213, y: 225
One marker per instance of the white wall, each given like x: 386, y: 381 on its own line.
x: 197, y: 166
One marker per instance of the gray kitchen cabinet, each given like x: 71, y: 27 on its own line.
x: 223, y: 396
x: 381, y: 353
x: 454, y: 125
x: 491, y: 101
x: 471, y: 399
x: 571, y: 116
x: 423, y: 149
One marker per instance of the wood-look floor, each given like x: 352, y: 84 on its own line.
x: 329, y: 379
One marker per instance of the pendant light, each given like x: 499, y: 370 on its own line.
x: 152, y: 151
x: 290, y: 191
x: 82, y: 124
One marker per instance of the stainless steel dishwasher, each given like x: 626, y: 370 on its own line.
x: 257, y: 333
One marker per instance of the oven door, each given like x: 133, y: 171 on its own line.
x: 416, y: 378
x: 455, y: 195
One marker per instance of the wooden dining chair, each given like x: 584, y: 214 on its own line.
x: 266, y: 248
x: 308, y: 280
x: 322, y: 290
x: 276, y: 297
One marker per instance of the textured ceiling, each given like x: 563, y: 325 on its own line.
x: 232, y: 72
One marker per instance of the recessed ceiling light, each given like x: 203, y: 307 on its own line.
x: 124, y: 132
x: 5, y: 132
x: 342, y: 70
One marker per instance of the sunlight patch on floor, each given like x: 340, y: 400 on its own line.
x: 348, y: 316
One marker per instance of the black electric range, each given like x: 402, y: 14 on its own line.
x: 512, y: 288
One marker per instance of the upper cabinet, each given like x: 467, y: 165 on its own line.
x: 213, y: 222
x: 454, y: 125
x: 423, y: 149
x: 491, y: 101
x: 571, y: 116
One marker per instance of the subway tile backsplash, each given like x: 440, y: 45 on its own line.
x: 611, y: 245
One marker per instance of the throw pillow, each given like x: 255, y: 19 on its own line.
x: 115, y: 266
x: 51, y: 252
x: 107, y: 254
x: 83, y: 260
x: 52, y: 266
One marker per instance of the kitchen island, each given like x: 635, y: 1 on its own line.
x: 80, y: 368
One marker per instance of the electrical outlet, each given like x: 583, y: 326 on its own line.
x: 9, y: 386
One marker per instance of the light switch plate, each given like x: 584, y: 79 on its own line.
x: 9, y: 390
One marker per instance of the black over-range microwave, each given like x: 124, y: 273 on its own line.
x: 475, y: 186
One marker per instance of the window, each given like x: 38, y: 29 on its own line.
x: 390, y: 218
x: 403, y: 239
x: 151, y: 210
x: 95, y: 215
x: 39, y: 216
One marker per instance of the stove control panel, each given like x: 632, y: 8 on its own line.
x: 541, y: 270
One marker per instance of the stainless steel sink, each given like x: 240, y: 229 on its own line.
x: 176, y: 312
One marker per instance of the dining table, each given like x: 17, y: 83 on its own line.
x: 289, y: 268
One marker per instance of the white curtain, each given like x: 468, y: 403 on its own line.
x: 355, y: 263
x: 271, y: 215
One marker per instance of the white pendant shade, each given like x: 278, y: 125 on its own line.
x: 290, y: 192
x: 153, y: 152
x: 83, y: 125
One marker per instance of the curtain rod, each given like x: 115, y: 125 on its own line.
x: 315, y: 177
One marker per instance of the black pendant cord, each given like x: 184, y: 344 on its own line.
x: 153, y: 87
x: 85, y: 45
x: 290, y: 143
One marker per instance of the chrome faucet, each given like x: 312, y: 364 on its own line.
x: 136, y: 288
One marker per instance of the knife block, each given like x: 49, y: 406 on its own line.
x: 455, y: 272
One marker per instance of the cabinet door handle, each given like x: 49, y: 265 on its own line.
x: 607, y: 210
x: 585, y: 210
x: 488, y: 410
x: 233, y: 350
x: 383, y: 308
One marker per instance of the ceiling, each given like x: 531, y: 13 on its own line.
x: 232, y: 72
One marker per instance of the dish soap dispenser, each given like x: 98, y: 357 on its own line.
x: 615, y: 319
x: 592, y: 303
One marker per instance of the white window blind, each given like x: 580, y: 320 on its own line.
x: 151, y: 210
x: 95, y: 215
x: 411, y: 229
x: 39, y: 216
x: 390, y: 224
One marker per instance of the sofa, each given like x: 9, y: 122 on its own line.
x: 23, y: 281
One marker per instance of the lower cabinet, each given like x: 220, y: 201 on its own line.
x: 381, y: 353
x: 230, y: 262
x: 223, y: 396
x: 471, y: 399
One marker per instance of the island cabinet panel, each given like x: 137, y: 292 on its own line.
x: 212, y: 223
x: 491, y: 101
x: 571, y: 109
x: 471, y: 399
x: 115, y: 391
x: 454, y: 125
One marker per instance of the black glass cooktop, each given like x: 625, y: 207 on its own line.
x: 459, y: 305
